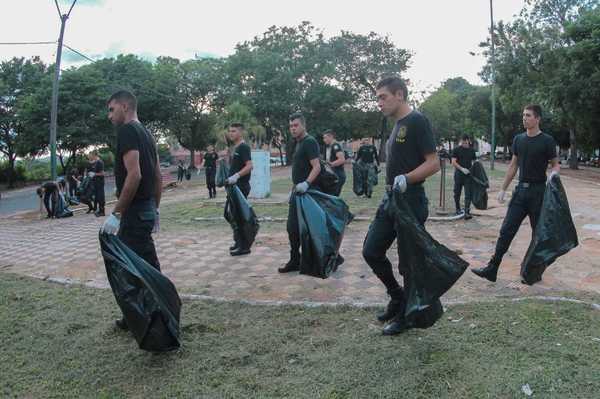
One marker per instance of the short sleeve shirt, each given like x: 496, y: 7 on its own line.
x: 210, y: 160
x: 307, y: 149
x: 367, y: 154
x: 533, y: 154
x: 134, y: 136
x: 333, y: 150
x: 464, y: 156
x: 98, y: 167
x: 241, y: 154
x: 408, y: 144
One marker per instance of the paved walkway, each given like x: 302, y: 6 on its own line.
x: 198, y: 262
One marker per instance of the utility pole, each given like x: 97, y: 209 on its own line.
x: 493, y: 158
x: 54, y: 109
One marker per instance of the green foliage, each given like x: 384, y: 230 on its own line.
x: 164, y: 153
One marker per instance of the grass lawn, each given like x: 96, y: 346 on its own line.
x: 59, y: 342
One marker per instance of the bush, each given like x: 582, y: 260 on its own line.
x: 5, y: 173
x: 107, y: 157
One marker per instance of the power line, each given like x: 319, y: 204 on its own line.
x: 25, y: 43
x: 79, y: 53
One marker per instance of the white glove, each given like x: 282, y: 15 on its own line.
x: 111, y: 225
x: 400, y: 183
x: 501, y: 195
x: 465, y: 171
x: 156, y: 227
x: 91, y: 174
x: 552, y: 174
x: 233, y: 179
x: 301, y: 188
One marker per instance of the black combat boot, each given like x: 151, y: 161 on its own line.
x: 396, y: 305
x: 489, y: 272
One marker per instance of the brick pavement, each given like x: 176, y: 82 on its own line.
x: 197, y: 259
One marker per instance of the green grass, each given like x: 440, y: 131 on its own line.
x: 59, y: 342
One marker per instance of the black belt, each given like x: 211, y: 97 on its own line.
x: 523, y: 184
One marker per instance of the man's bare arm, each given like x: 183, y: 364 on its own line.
x: 340, y: 159
x: 131, y: 160
x: 316, y: 169
x: 246, y: 169
x: 430, y: 167
x: 511, y: 172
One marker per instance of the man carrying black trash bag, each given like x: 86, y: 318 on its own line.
x: 411, y: 158
x: 305, y: 169
x: 462, y: 160
x: 239, y: 174
x: 367, y: 156
x: 532, y: 151
x: 334, y: 156
x: 138, y: 180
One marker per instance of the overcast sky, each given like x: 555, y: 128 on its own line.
x: 440, y: 33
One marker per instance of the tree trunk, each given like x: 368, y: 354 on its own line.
x: 573, y: 159
x: 12, y: 174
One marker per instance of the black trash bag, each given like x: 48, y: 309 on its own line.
x: 429, y: 268
x: 148, y: 299
x: 322, y: 220
x: 358, y: 175
x: 61, y: 209
x: 554, y: 235
x: 372, y: 175
x: 85, y: 191
x: 222, y: 173
x: 240, y: 215
x: 327, y: 180
x: 479, y: 186
x: 188, y: 174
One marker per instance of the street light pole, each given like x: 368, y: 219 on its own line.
x: 54, y: 107
x: 493, y: 158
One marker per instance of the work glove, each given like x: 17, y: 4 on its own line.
x: 552, y: 174
x: 465, y: 171
x: 111, y: 225
x: 91, y: 174
x: 400, y: 183
x: 156, y: 227
x: 233, y: 179
x: 301, y: 188
x: 501, y: 195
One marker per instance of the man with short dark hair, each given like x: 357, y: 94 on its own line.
x: 334, y: 156
x: 97, y: 175
x: 462, y: 160
x: 240, y: 168
x: 532, y: 151
x: 411, y: 158
x: 138, y: 180
x: 305, y: 170
x: 367, y: 155
x: 209, y: 161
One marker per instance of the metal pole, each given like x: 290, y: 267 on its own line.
x: 493, y: 157
x: 54, y: 109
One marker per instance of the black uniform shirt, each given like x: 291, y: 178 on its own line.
x: 464, y: 156
x: 367, y: 153
x: 241, y: 154
x: 408, y: 144
x: 97, y: 167
x: 335, y: 148
x: 210, y: 160
x: 533, y: 154
x: 307, y: 149
x: 134, y: 136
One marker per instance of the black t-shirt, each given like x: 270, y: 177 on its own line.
x: 210, y: 160
x: 306, y: 150
x: 50, y: 187
x: 408, y: 144
x: 241, y: 154
x: 533, y: 154
x: 71, y: 177
x: 97, y: 167
x: 335, y: 148
x: 367, y: 153
x: 134, y: 136
x: 464, y: 156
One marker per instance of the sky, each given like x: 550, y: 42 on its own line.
x: 439, y: 33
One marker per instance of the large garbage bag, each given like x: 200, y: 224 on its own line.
x: 85, y: 191
x: 429, y: 268
x: 61, y: 209
x: 222, y: 173
x: 373, y: 175
x: 479, y: 186
x: 148, y: 299
x: 327, y: 180
x: 554, y: 235
x: 240, y: 215
x: 322, y: 220
x: 358, y: 176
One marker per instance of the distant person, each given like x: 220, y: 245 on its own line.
x: 532, y: 151
x: 462, y: 160
x: 210, y: 170
x: 334, y: 156
x: 240, y: 168
x: 367, y: 154
x: 48, y: 194
x: 73, y: 182
x: 97, y: 175
x: 138, y: 180
x: 180, y: 171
